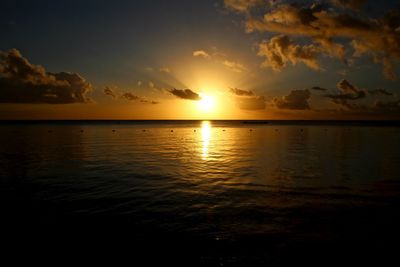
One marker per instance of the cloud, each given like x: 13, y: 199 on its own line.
x: 317, y: 88
x: 130, y: 96
x: 185, y: 94
x: 240, y: 92
x: 165, y: 70
x: 221, y: 59
x: 380, y: 91
x: 247, y: 99
x: 116, y: 94
x: 351, y: 4
x: 23, y: 82
x: 109, y: 91
x: 347, y: 92
x: 281, y: 50
x: 201, y: 53
x: 324, y: 26
x: 234, y: 66
x: 296, y: 100
x: 241, y: 5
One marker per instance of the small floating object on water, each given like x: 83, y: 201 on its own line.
x: 50, y: 131
x: 251, y: 130
x: 113, y: 130
x: 223, y: 130
x: 82, y: 131
x: 143, y: 130
x: 172, y: 131
x: 194, y: 130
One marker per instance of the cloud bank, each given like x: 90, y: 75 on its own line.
x: 324, y: 28
x: 113, y: 92
x: 23, y: 82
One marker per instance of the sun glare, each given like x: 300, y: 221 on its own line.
x: 207, y: 103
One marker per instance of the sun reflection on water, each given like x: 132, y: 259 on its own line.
x: 205, y: 138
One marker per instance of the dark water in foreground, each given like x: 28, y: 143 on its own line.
x: 204, y: 193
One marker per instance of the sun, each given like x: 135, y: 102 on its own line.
x: 207, y: 103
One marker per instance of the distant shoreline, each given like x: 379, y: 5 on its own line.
x: 235, y: 122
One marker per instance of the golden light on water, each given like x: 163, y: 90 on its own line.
x: 205, y: 138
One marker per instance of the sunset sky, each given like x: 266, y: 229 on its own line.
x: 200, y: 59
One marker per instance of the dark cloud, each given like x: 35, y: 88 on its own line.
x: 130, y: 96
x: 185, y: 94
x: 23, y: 82
x: 317, y: 88
x: 115, y: 94
x: 380, y: 91
x: 240, y: 92
x: 109, y: 91
x: 296, y: 100
x: 347, y: 92
x: 251, y: 103
x: 323, y: 27
x: 351, y: 4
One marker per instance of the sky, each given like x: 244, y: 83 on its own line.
x: 200, y: 59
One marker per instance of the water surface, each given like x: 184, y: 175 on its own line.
x: 243, y: 194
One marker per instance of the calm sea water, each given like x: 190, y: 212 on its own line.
x: 242, y: 194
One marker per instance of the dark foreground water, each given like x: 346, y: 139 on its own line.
x: 203, y: 193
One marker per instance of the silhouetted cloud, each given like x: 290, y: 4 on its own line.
x: 317, y: 88
x: 296, y: 100
x: 347, y: 92
x: 240, y: 92
x: 380, y: 91
x: 109, y: 91
x: 185, y: 94
x: 23, y: 82
x: 116, y: 94
x: 130, y: 96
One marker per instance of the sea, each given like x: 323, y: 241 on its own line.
x: 203, y: 193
